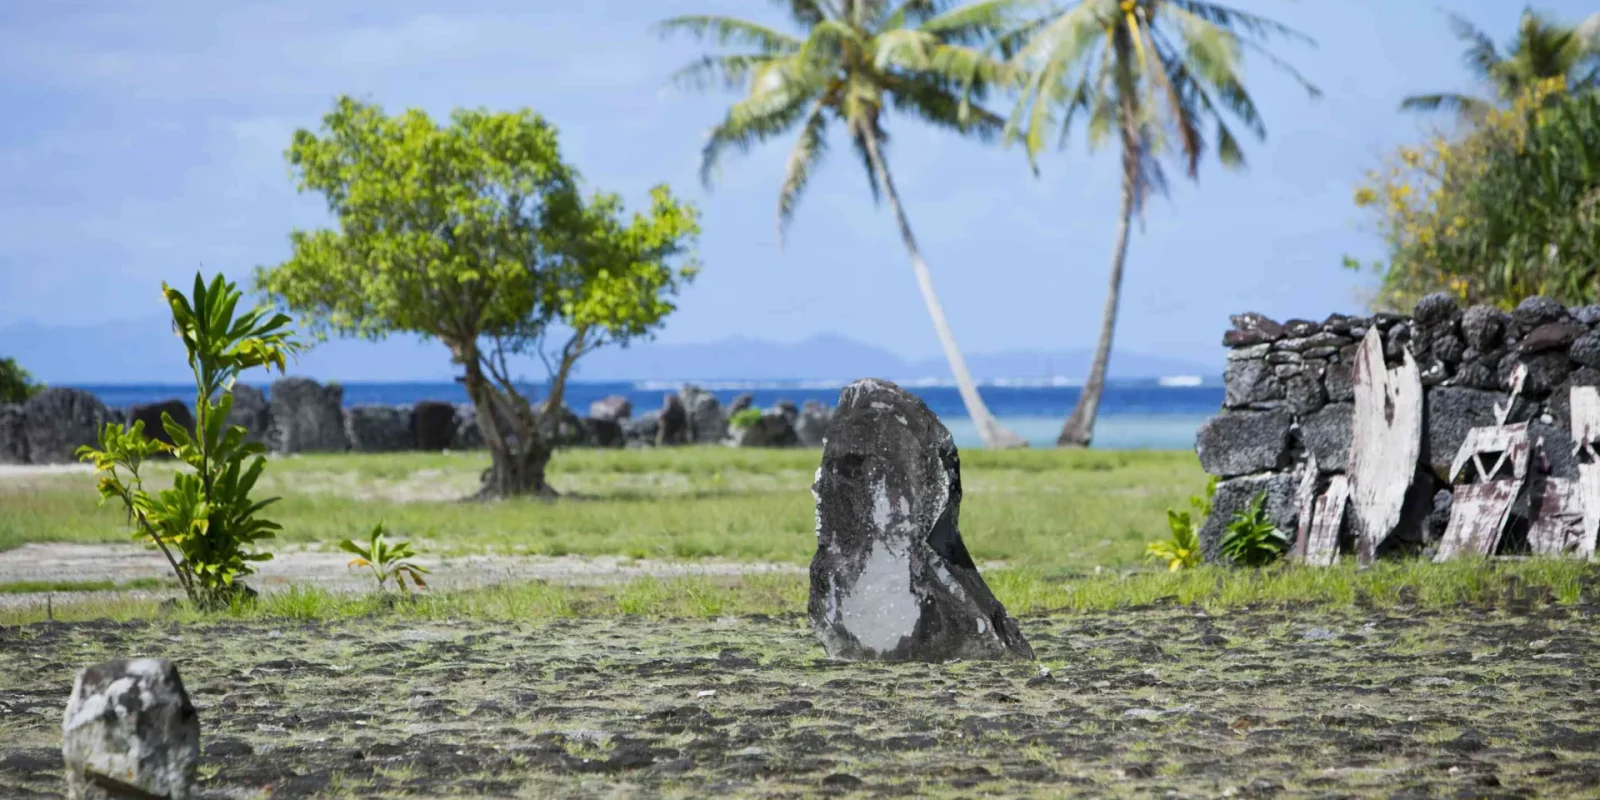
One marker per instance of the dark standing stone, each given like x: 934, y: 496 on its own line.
x: 1448, y: 412
x: 1326, y: 434
x: 469, y: 434
x: 1247, y: 381
x: 150, y: 415
x: 740, y: 403
x: 812, y: 424
x: 1241, y: 442
x: 773, y: 429
x: 564, y: 429
x: 1483, y: 327
x: 251, y: 412
x: 307, y: 417
x: 642, y: 430
x: 58, y: 420
x: 1550, y: 336
x: 1235, y: 495
x: 706, y: 423
x: 614, y: 408
x: 433, y: 425
x: 1435, y: 308
x: 377, y: 429
x: 788, y: 409
x: 13, y: 435
x: 605, y: 432
x: 1475, y: 375
x: 892, y: 579
x: 130, y: 731
x: 673, y: 428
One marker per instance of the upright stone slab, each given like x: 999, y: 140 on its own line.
x: 672, y: 422
x: 130, y: 732
x: 377, y: 428
x: 891, y: 579
x: 150, y: 415
x: 13, y: 435
x: 706, y: 423
x: 812, y: 424
x: 307, y: 417
x: 433, y: 425
x: 250, y: 412
x: 58, y: 420
x: 611, y: 408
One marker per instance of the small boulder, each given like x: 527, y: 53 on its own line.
x: 1241, y: 442
x: 1448, y: 412
x: 433, y: 426
x: 150, y: 415
x: 611, y: 408
x: 1483, y: 327
x: 773, y: 429
x: 673, y: 425
x: 13, y: 435
x: 1537, y: 310
x: 377, y: 429
x: 1435, y: 308
x: 1585, y: 350
x: 643, y: 429
x: 706, y: 423
x: 58, y: 420
x: 892, y: 578
x: 1249, y: 381
x: 251, y: 412
x: 812, y: 424
x: 1551, y: 336
x: 130, y: 731
x: 307, y: 417
x: 604, y: 432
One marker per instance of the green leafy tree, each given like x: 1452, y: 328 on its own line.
x: 1153, y: 74
x: 16, y: 383
x: 206, y: 524
x: 1542, y: 50
x: 854, y: 61
x: 475, y: 234
x: 1445, y: 213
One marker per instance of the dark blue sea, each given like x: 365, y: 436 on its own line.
x: 1133, y: 414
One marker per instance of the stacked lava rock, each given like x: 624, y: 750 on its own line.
x: 1289, y: 391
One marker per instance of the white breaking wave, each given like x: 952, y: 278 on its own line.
x: 1181, y: 380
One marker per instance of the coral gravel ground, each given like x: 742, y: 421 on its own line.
x: 1149, y: 701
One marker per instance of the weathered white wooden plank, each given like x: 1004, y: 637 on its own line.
x: 1557, y: 524
x: 1490, y: 450
x: 1322, y: 547
x: 1385, y: 443
x: 1478, y: 514
x: 1585, y: 431
x: 1305, y: 499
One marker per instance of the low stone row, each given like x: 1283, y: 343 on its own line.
x: 303, y: 416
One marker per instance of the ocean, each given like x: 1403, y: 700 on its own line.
x: 1143, y: 414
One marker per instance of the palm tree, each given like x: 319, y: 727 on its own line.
x: 855, y: 61
x: 1543, y: 49
x: 1156, y: 74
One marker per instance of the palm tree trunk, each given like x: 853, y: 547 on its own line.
x: 993, y: 435
x: 1079, y: 428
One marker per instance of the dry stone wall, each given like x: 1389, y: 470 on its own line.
x: 1289, y: 399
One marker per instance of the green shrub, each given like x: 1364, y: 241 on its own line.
x: 745, y: 418
x: 386, y: 560
x: 1182, y: 551
x: 16, y: 384
x: 206, y: 524
x: 1251, y: 539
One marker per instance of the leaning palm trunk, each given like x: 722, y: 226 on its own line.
x: 1079, y: 428
x: 993, y: 435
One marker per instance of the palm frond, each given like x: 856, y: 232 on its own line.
x: 805, y: 13
x: 807, y: 154
x: 730, y: 30
x: 1251, y: 25
x: 1458, y: 103
x: 1481, y: 55
x: 754, y: 120
x: 727, y: 72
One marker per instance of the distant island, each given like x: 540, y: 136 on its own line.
x: 141, y: 351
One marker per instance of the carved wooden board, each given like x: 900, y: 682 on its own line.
x: 1305, y: 498
x: 1385, y: 443
x: 1487, y: 474
x: 1322, y: 549
x: 1585, y: 430
x: 1558, y: 520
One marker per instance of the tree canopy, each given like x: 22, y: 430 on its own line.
x: 475, y: 233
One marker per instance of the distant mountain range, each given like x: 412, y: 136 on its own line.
x: 144, y: 351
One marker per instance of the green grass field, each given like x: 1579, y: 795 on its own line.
x: 1054, y: 511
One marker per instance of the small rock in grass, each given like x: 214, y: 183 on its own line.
x: 130, y: 732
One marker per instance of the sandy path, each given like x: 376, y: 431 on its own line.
x: 121, y: 563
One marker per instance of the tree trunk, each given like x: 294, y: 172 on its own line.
x: 989, y: 429
x: 518, y: 453
x: 1079, y: 428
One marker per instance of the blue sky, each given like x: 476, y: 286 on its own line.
x: 140, y: 143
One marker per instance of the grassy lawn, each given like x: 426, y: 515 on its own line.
x: 1053, y: 511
